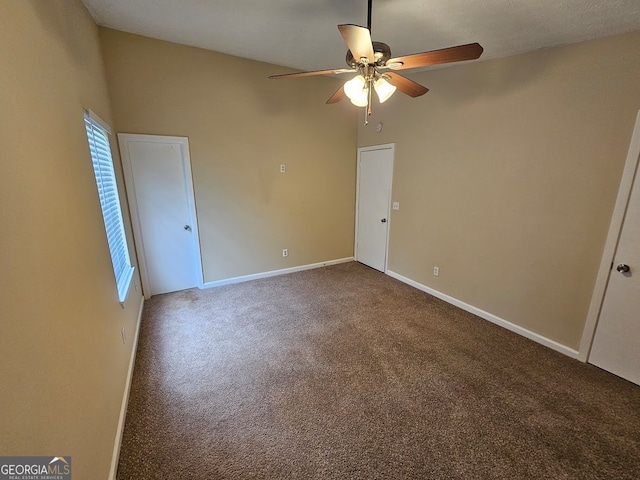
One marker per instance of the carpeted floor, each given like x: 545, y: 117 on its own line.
x: 345, y: 373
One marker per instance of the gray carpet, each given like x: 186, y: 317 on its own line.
x: 345, y: 373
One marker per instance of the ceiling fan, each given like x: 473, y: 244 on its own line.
x: 376, y: 68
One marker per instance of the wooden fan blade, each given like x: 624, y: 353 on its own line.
x: 335, y: 71
x: 358, y: 39
x: 336, y: 97
x: 470, y: 51
x: 309, y: 74
x: 406, y: 86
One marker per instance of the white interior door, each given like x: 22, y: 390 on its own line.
x: 616, y: 344
x: 375, y: 173
x: 160, y: 192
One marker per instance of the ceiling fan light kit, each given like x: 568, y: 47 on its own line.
x: 359, y: 88
x: 375, y: 68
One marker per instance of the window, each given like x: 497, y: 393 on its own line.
x: 98, y: 136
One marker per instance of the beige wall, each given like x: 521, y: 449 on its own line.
x: 64, y: 365
x: 241, y: 127
x: 507, y: 173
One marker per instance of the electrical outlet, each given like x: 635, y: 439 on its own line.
x: 285, y: 252
x: 436, y: 271
x: 283, y: 168
x: 396, y: 205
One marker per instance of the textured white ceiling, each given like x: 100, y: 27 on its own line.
x: 302, y: 34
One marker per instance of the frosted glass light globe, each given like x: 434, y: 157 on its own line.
x: 356, y: 90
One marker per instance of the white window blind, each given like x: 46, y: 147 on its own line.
x: 97, y: 134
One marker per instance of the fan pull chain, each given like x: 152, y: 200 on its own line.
x: 368, y: 111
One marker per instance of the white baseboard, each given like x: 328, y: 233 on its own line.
x: 558, y: 347
x: 273, y: 273
x: 125, y: 398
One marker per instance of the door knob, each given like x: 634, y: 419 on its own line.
x: 187, y: 228
x: 384, y: 220
x: 623, y: 268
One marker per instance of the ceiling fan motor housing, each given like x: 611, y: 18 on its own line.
x: 381, y: 52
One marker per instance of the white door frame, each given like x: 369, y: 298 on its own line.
x: 183, y: 144
x: 615, y: 228
x: 386, y: 146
